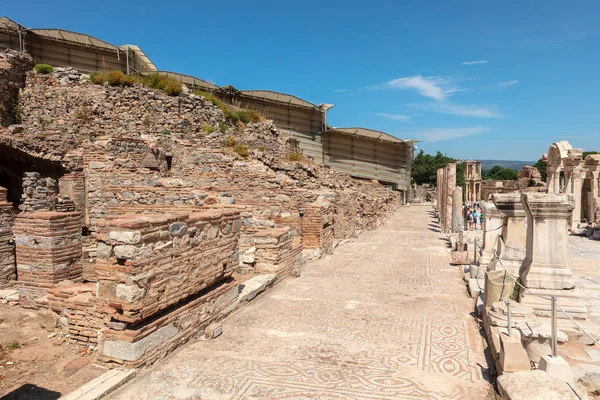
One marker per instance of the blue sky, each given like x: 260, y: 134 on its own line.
x: 474, y: 79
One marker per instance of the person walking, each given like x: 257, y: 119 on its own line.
x: 475, y: 219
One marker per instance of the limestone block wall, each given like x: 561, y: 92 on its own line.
x: 7, y: 247
x: 48, y: 251
x: 146, y: 263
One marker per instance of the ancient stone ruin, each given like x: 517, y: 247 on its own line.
x: 130, y: 214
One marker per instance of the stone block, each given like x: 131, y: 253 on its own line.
x: 100, y: 387
x: 513, y: 357
x: 127, y: 351
x: 534, y: 385
x: 252, y: 287
x: 213, y: 330
x: 557, y: 368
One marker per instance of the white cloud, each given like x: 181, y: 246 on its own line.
x: 340, y: 90
x: 507, y: 83
x: 475, y: 62
x: 439, y: 134
x: 446, y: 107
x: 426, y: 86
x: 396, y: 117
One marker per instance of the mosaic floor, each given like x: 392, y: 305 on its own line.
x: 385, y: 317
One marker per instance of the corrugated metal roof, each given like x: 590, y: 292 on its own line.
x: 148, y: 64
x: 278, y: 98
x: 8, y: 24
x: 370, y: 133
x: 74, y: 37
x: 190, y: 80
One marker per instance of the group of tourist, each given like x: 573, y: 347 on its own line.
x: 473, y: 216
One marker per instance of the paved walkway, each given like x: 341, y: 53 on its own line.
x: 385, y: 317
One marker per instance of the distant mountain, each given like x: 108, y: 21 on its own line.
x: 516, y: 165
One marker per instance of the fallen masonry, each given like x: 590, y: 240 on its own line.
x: 141, y: 219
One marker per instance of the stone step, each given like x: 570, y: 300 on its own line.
x: 102, y: 385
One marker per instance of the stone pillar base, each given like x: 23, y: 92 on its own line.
x: 549, y: 277
x: 569, y: 300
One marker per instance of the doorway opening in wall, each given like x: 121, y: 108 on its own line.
x: 169, y: 159
x: 13, y: 165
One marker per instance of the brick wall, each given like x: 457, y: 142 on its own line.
x: 146, y: 263
x: 317, y: 229
x: 48, y: 251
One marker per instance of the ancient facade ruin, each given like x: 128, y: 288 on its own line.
x: 131, y: 220
x: 580, y: 180
x: 472, y: 181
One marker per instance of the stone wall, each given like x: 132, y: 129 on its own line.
x: 146, y: 263
x: 168, y: 208
x: 48, y: 251
x: 317, y: 229
x: 39, y: 194
x: 7, y: 247
x: 13, y: 66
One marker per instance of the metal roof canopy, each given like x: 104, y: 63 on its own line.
x: 280, y: 98
x: 372, y: 134
x: 74, y: 37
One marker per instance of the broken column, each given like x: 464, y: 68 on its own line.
x: 457, y: 212
x: 7, y: 247
x: 545, y: 270
x: 48, y: 251
x: 511, y: 243
x: 492, y: 229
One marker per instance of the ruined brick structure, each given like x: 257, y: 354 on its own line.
x: 134, y: 220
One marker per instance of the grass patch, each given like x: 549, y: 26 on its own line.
x: 247, y: 116
x: 241, y: 150
x: 222, y: 127
x: 230, y: 142
x: 233, y: 115
x: 43, y: 69
x: 84, y: 114
x: 165, y: 132
x: 294, y: 156
x: 13, y: 345
x: 169, y: 85
x: 209, y: 128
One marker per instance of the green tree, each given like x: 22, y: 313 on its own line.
x: 541, y: 166
x: 499, y: 173
x: 425, y: 166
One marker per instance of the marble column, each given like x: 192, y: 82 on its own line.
x: 576, y: 190
x: 450, y: 184
x: 557, y: 180
x: 439, y: 191
x: 593, y: 197
x: 457, y: 215
x: 491, y: 230
x: 545, y: 270
x: 550, y: 176
x: 511, y: 243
